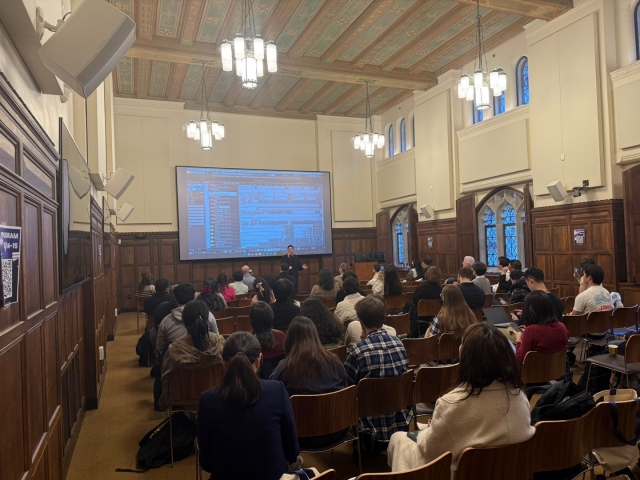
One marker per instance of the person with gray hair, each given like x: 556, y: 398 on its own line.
x: 468, y: 261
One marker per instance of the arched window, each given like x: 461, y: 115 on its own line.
x: 478, y: 115
x: 390, y: 132
x: 403, y: 135
x: 413, y: 131
x: 501, y: 227
x: 522, y: 81
x: 400, y: 243
x: 499, y: 105
x: 400, y: 237
x: 637, y: 24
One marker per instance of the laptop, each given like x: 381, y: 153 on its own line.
x: 499, y: 318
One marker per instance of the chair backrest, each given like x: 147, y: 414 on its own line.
x: 187, y: 385
x: 242, y: 296
x: 233, y: 303
x: 327, y: 475
x: 488, y: 298
x: 363, y: 283
x: 543, y: 367
x: 512, y: 306
x: 428, y: 308
x: 382, y: 396
x: 140, y: 302
x: 302, y: 298
x: 408, y: 296
x: 571, y: 440
x: 151, y: 322
x: 235, y: 311
x: 394, y: 301
x: 438, y: 469
x: 340, y: 352
x: 553, y: 291
x: 509, y: 461
x: 245, y: 302
x: 432, y: 382
x: 330, y: 303
x: 226, y: 325
x: 448, y: 347
x: 410, y: 288
x: 576, y: 324
x: 326, y: 413
x: 421, y: 350
x: 569, y: 302
x: 603, y: 435
x: 243, y: 324
x: 599, y: 322
x: 625, y: 317
x: 478, y: 314
x: 632, y: 351
x: 401, y: 323
x: 332, y: 309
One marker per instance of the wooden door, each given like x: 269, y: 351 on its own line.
x: 467, y: 227
x: 528, y: 230
x: 412, y: 218
x: 631, y: 196
x: 383, y: 227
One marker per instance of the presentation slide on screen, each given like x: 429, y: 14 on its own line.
x: 233, y: 213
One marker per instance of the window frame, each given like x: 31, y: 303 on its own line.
x: 520, y: 67
x: 403, y: 135
x: 391, y: 149
x: 636, y: 23
x: 477, y: 116
x: 497, y: 104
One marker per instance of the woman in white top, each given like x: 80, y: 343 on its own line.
x: 146, y: 287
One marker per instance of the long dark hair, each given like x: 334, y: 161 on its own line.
x: 306, y: 358
x: 330, y: 329
x: 263, y: 290
x: 485, y: 357
x: 240, y: 384
x: 147, y: 279
x: 455, y: 315
x: 209, y: 294
x: 538, y: 309
x: 222, y: 281
x: 325, y: 279
x: 261, y: 319
x: 417, y: 265
x: 195, y: 317
x: 392, y: 285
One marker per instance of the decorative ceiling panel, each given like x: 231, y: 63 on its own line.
x: 168, y: 16
x: 278, y: 92
x: 125, y: 6
x: 124, y: 74
x: 159, y: 78
x: 191, y: 82
x: 324, y: 101
x: 212, y: 18
x: 357, y: 99
x: 309, y: 92
x: 261, y: 11
x: 222, y: 87
x: 247, y: 95
x: 298, y: 22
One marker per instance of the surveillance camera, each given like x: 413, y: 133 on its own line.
x: 577, y: 192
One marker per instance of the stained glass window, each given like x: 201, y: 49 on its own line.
x: 637, y: 19
x: 391, y: 140
x: 413, y: 131
x: 490, y: 233
x: 499, y: 105
x: 510, y: 232
x: 400, y: 243
x: 478, y: 115
x: 522, y: 77
x: 403, y: 135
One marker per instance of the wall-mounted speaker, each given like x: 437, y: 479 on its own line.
x: 88, y: 45
x: 118, y: 183
x: 124, y: 211
x: 557, y: 191
x: 427, y: 210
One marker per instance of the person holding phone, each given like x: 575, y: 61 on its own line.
x: 377, y: 282
x: 579, y: 274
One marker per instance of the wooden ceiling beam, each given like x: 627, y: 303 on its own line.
x: 372, y: 96
x: 267, y: 87
x: 246, y: 110
x: 233, y: 93
x: 176, y: 77
x: 306, y: 106
x: 289, y: 97
x: 543, y: 9
x: 191, y: 21
x: 145, y: 14
x: 211, y: 76
x: 226, y: 23
x: 344, y: 98
x: 278, y: 19
x: 401, y: 97
x: 143, y: 74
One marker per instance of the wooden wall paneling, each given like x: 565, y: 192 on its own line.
x: 631, y: 195
x: 443, y: 250
x: 528, y: 230
x: 467, y: 227
x: 383, y: 228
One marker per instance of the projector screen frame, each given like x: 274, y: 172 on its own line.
x: 257, y: 170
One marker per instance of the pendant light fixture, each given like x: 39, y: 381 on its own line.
x: 249, y: 50
x: 205, y: 131
x: 484, y: 82
x: 369, y: 140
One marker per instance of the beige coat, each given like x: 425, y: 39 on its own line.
x: 491, y: 419
x: 346, y: 309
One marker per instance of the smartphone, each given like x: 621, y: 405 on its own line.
x: 515, y: 327
x: 502, y: 301
x: 382, y: 268
x: 576, y: 271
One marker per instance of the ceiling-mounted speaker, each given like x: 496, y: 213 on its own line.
x: 79, y: 182
x: 88, y: 45
x: 118, y: 183
x: 427, y: 210
x: 557, y: 191
x: 124, y: 211
x: 98, y: 182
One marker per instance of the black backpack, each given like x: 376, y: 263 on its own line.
x: 562, y: 401
x: 145, y: 351
x: 155, y: 449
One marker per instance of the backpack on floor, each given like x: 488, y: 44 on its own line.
x: 598, y: 380
x: 145, y: 351
x: 155, y: 448
x: 562, y: 401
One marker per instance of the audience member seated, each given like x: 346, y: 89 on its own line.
x: 326, y: 287
x: 429, y: 290
x: 454, y: 316
x: 284, y: 308
x: 263, y: 291
x: 346, y: 309
x: 209, y: 294
x: 198, y: 349
x: 271, y: 340
x: 479, y: 269
x: 535, y: 282
x: 487, y: 407
x: 161, y: 312
x: 146, y: 286
x: 595, y: 298
x: 473, y: 294
x: 330, y: 330
x: 246, y: 427
x: 504, y: 281
x: 284, y: 273
x: 542, y: 332
x: 159, y: 296
x: 377, y: 355
x: 581, y: 278
x: 519, y: 288
x: 247, y: 278
x: 338, y: 278
x: 416, y: 272
x: 468, y: 261
x: 377, y: 282
x: 223, y: 287
x: 341, y: 293
x: 392, y: 283
x: 238, y: 285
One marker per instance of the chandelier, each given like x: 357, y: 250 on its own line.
x: 249, y: 50
x: 205, y: 130
x: 369, y: 140
x: 484, y: 82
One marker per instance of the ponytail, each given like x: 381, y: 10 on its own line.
x: 195, y: 317
x: 240, y: 384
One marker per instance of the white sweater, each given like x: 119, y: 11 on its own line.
x: 493, y: 418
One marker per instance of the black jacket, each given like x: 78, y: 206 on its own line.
x: 291, y: 278
x: 283, y: 313
x: 473, y: 295
x: 519, y: 290
x: 295, y: 265
x: 504, y: 285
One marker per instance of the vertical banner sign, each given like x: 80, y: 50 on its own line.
x: 578, y: 236
x: 10, y: 254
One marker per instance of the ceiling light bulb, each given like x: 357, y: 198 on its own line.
x: 461, y: 92
x: 272, y: 57
x: 380, y: 140
x: 238, y: 46
x: 469, y: 96
x: 465, y: 81
x: 356, y: 142
x: 258, y: 47
x: 502, y: 80
x: 221, y: 130
x: 478, y: 79
x: 226, y: 54
x: 493, y: 78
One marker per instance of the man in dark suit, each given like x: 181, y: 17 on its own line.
x: 284, y: 273
x: 295, y: 264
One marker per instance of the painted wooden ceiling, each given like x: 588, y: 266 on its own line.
x: 327, y: 49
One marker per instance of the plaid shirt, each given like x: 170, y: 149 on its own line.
x: 435, y: 326
x: 377, y: 356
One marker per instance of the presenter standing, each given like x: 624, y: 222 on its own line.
x: 295, y: 264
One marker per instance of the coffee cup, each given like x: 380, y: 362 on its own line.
x: 613, y: 350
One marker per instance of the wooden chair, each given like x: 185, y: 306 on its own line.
x: 478, y: 314
x: 233, y: 303
x: 140, y: 309
x: 572, y: 440
x: 408, y: 296
x: 421, y: 350
x: 488, y: 298
x: 327, y: 475
x: 332, y: 309
x: 245, y: 302
x: 401, y: 323
x: 185, y: 387
x: 576, y: 325
x: 340, y: 352
x: 243, y: 324
x: 411, y: 288
x: 226, y: 325
x: 302, y: 298
x: 543, y: 367
x: 235, y: 311
x: 626, y: 364
x: 554, y: 291
x: 439, y: 469
x: 363, y: 283
x: 428, y: 308
x: 503, y: 296
x: 569, y: 302
x: 624, y: 320
x: 330, y: 303
x: 394, y: 302
x: 509, y: 461
x: 511, y: 307
x: 598, y: 327
x: 325, y: 414
x: 430, y: 384
x: 448, y: 347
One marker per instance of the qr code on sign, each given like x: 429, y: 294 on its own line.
x: 6, y: 278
